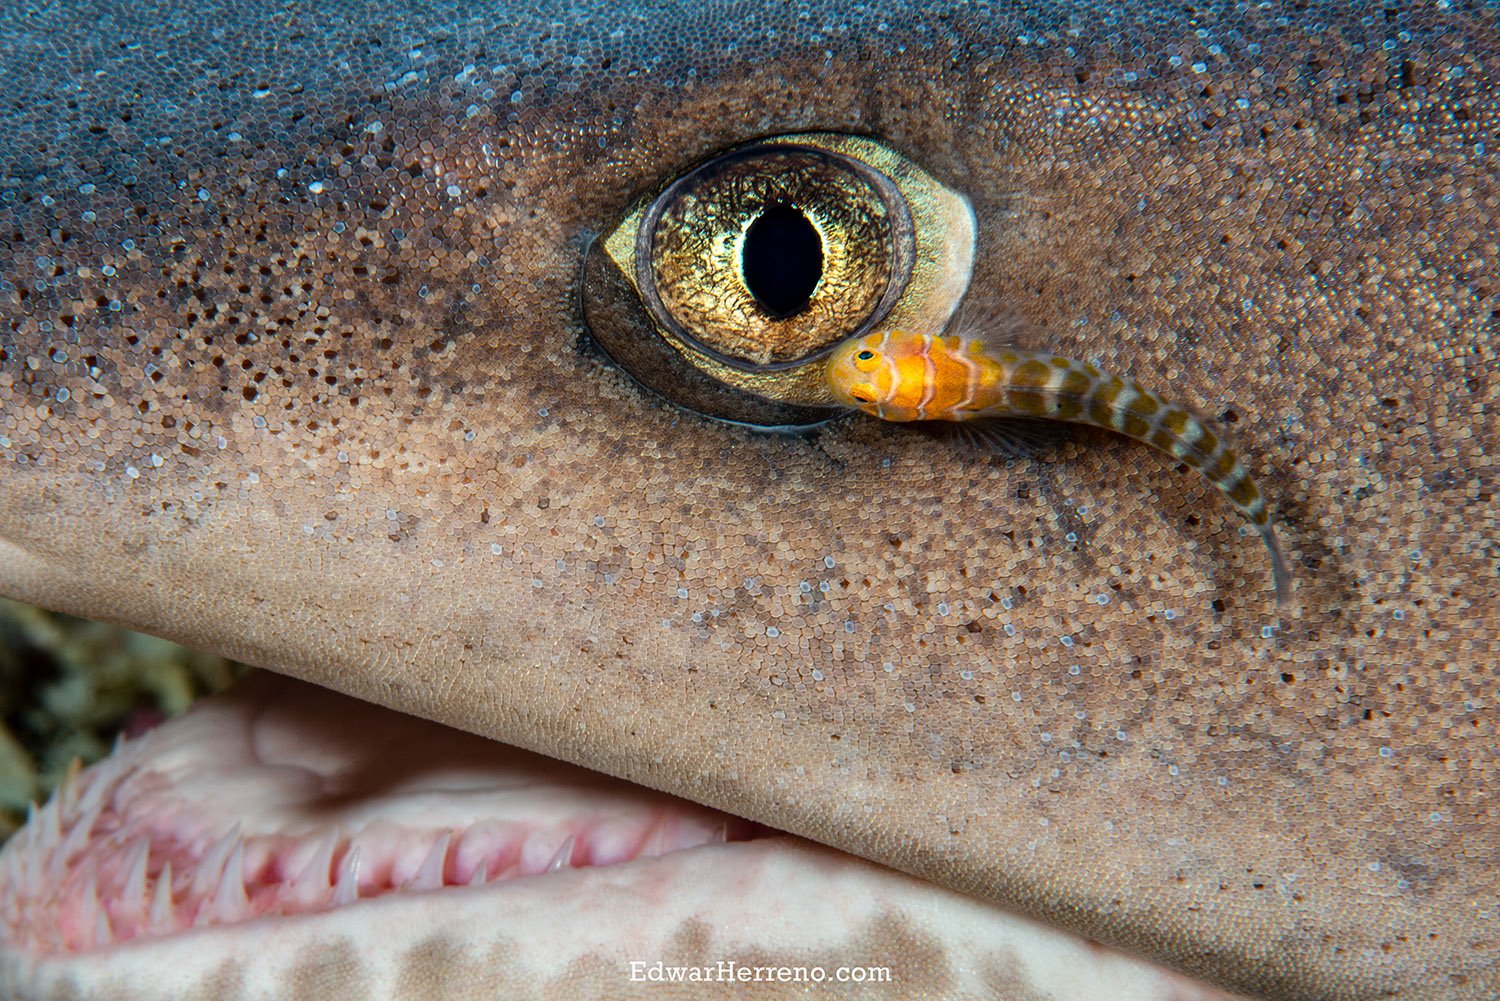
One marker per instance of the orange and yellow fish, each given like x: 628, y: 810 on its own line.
x: 901, y: 376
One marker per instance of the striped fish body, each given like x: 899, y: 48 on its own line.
x: 901, y: 376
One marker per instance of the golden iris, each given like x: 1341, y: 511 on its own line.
x: 842, y: 233
x: 748, y: 270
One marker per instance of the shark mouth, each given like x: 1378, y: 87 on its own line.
x: 265, y: 803
x: 282, y: 840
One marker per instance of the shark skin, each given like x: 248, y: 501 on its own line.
x: 293, y: 369
x: 639, y: 887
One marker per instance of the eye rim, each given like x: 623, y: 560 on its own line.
x: 618, y: 327
x: 903, y: 252
x: 609, y: 302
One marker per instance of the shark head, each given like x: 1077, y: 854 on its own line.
x: 294, y: 368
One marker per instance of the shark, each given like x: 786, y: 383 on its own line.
x: 295, y: 367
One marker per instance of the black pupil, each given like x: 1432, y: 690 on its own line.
x: 783, y: 260
x: 866, y: 355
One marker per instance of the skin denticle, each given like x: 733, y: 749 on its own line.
x: 289, y: 369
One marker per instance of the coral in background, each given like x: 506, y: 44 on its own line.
x: 69, y: 686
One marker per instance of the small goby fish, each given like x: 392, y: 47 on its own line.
x: 899, y: 375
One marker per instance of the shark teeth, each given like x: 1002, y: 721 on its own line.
x: 429, y: 875
x: 562, y: 857
x: 103, y: 933
x: 229, y: 902
x: 312, y: 886
x: 87, y: 922
x: 133, y: 896
x: 212, y: 865
x: 159, y: 921
x: 346, y: 890
x: 86, y: 872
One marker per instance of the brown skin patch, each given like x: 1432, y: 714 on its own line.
x: 1000, y: 974
x: 278, y: 311
x: 329, y: 969
x: 437, y: 969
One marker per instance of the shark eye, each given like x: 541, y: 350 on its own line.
x: 726, y: 290
x: 773, y: 254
